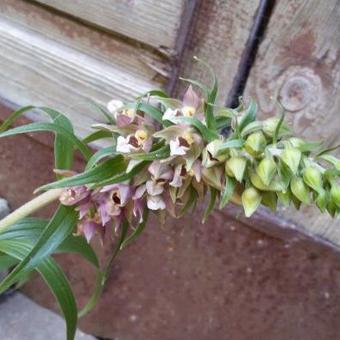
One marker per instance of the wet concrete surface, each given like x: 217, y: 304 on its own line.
x: 221, y: 280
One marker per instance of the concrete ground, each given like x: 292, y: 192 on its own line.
x: 22, y: 319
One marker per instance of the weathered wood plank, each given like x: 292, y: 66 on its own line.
x: 36, y: 69
x: 100, y: 45
x: 152, y: 22
x: 299, y: 62
x: 219, y: 34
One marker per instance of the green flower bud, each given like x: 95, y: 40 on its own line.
x: 296, y: 142
x: 214, y: 148
x: 313, y: 178
x: 235, y: 167
x: 251, y: 199
x: 270, y: 124
x: 269, y: 199
x: 322, y: 200
x: 335, y: 194
x: 284, y: 197
x: 331, y: 208
x: 275, y: 185
x: 213, y: 177
x: 266, y: 170
x: 255, y: 143
x: 291, y: 157
x: 207, y: 159
x: 299, y: 189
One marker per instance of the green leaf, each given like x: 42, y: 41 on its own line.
x: 121, y: 178
x: 101, y: 172
x: 228, y: 191
x: 94, y: 136
x: 279, y: 124
x: 212, y: 94
x: 211, y: 205
x: 29, y: 229
x: 150, y: 110
x: 232, y: 143
x: 249, y: 116
x: 63, y: 148
x: 222, y: 122
x: 103, y: 110
x: 161, y: 153
x: 57, y: 230
x: 6, y: 262
x: 207, y: 134
x: 55, y: 279
x: 38, y: 127
x: 99, y: 155
x: 14, y: 116
x: 190, y: 201
x: 327, y: 150
x: 154, y: 93
x: 136, y: 232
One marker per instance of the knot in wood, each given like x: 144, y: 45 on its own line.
x: 299, y: 90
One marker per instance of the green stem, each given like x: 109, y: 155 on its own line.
x: 29, y: 208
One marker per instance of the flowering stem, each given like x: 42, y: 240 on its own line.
x: 29, y: 208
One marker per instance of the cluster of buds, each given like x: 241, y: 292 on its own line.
x: 182, y: 158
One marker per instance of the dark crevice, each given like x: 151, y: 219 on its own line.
x: 257, y: 32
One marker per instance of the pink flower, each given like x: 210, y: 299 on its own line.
x: 74, y: 195
x: 191, y: 102
x: 89, y: 226
x: 155, y: 202
x: 179, y: 173
x: 141, y: 140
x: 190, y: 106
x: 160, y: 170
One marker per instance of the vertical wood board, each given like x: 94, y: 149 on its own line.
x: 298, y: 62
x: 152, y: 22
x: 218, y: 35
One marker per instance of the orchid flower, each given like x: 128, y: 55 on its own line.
x: 141, y: 140
x: 74, y: 195
x: 190, y: 106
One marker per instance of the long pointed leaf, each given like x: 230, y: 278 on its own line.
x: 30, y: 229
x: 55, y: 279
x: 38, y: 127
x: 57, y: 230
x: 103, y: 171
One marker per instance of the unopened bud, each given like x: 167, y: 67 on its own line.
x: 235, y: 167
x: 299, y: 189
x: 255, y: 143
x: 270, y: 125
x: 322, y: 200
x: 335, y: 194
x: 266, y: 170
x: 291, y: 157
x: 331, y: 208
x: 313, y: 178
x: 275, y: 185
x: 284, y: 197
x: 251, y: 199
x: 269, y: 199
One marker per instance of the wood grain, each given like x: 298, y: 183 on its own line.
x: 48, y: 59
x: 152, y: 22
x: 36, y: 69
x: 298, y: 62
x: 219, y: 33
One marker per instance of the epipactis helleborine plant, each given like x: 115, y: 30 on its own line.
x: 165, y: 155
